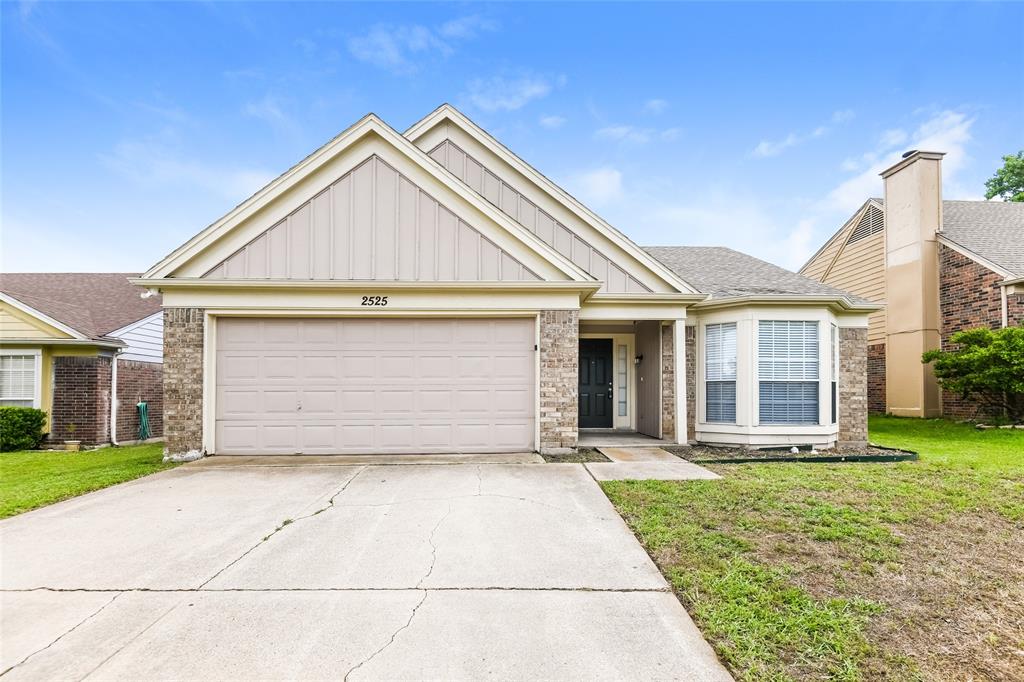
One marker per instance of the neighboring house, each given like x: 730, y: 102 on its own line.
x: 431, y: 292
x: 84, y: 347
x: 940, y: 267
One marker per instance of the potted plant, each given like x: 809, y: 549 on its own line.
x: 72, y: 445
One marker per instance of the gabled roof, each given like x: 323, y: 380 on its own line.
x: 993, y: 230
x: 91, y: 304
x: 838, y: 233
x: 298, y: 178
x: 727, y: 274
x: 447, y: 114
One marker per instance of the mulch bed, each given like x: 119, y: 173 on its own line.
x: 703, y: 454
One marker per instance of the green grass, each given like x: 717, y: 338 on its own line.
x: 845, y: 571
x: 32, y: 478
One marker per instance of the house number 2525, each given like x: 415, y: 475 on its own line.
x: 374, y: 300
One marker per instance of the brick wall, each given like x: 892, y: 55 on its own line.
x: 139, y: 381
x: 853, y: 387
x: 559, y: 380
x: 668, y: 383
x: 81, y: 399
x: 691, y: 382
x: 969, y: 297
x: 183, y: 381
x: 876, y: 378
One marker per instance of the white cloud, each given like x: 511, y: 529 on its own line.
x: 397, y: 48
x: 552, y: 122
x: 598, y: 186
x: 624, y: 133
x: 499, y: 93
x: 158, y: 160
x: 655, y: 106
x: 670, y: 134
x: 768, y: 148
x: 466, y: 27
x: 947, y: 131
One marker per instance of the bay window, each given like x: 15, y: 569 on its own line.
x: 788, y: 367
x: 19, y: 379
x: 720, y: 372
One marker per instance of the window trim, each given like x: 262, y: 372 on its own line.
x: 37, y: 389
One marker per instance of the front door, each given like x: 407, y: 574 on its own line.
x: 595, y: 383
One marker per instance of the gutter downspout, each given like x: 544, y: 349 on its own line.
x: 113, y: 398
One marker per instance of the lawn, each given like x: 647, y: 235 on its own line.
x: 34, y: 478
x: 904, y: 571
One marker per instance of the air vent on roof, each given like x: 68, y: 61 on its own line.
x: 870, y: 223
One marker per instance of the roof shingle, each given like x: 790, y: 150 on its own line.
x: 93, y: 303
x: 992, y: 229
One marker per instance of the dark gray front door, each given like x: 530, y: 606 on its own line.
x: 595, y: 383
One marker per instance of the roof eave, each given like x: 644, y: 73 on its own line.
x: 841, y: 303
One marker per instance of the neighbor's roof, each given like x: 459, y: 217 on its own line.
x: 725, y: 273
x: 992, y: 229
x: 93, y: 303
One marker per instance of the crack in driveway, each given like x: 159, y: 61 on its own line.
x: 64, y: 634
x: 330, y: 503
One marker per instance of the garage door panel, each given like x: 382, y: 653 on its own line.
x: 374, y: 386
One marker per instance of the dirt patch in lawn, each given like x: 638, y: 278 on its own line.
x: 581, y: 456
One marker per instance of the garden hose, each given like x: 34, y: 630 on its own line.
x: 144, y: 432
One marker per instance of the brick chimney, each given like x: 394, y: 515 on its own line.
x: 913, y: 218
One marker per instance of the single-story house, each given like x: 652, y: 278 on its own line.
x: 84, y: 347
x: 432, y: 292
x: 939, y: 266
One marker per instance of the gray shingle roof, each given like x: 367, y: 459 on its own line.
x: 725, y: 273
x: 992, y: 229
x: 92, y: 303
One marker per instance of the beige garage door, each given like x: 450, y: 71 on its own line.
x: 348, y: 386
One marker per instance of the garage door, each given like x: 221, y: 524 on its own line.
x: 353, y: 386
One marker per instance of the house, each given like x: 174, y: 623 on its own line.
x: 432, y: 292
x: 85, y: 348
x: 939, y: 266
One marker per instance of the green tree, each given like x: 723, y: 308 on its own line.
x: 1008, y: 182
x: 985, y: 365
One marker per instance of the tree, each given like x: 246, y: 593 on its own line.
x: 1008, y: 182
x: 986, y: 365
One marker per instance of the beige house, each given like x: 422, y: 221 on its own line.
x: 432, y: 292
x: 939, y: 266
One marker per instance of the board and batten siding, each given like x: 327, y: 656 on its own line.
x: 855, y: 263
x: 512, y: 203
x: 144, y: 339
x: 373, y: 223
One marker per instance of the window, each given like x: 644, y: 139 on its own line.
x: 720, y: 372
x: 18, y: 380
x: 621, y: 368
x: 835, y: 373
x: 787, y: 355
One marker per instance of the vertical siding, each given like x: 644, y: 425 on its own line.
x: 372, y: 223
x: 515, y: 205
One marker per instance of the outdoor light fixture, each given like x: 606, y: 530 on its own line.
x: 638, y: 359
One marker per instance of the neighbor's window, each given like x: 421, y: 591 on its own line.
x: 18, y: 380
x: 720, y: 372
x: 787, y: 354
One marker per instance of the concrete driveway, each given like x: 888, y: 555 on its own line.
x: 461, y: 571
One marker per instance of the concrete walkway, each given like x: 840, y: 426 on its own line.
x: 646, y: 463
x: 459, y: 571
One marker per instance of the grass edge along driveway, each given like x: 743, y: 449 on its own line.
x: 852, y: 571
x: 30, y: 479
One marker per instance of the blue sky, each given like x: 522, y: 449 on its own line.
x: 127, y: 127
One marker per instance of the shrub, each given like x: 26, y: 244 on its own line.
x: 986, y: 365
x: 21, y: 428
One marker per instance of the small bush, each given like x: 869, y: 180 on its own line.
x: 21, y: 428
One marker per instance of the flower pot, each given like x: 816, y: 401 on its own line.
x: 72, y: 445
